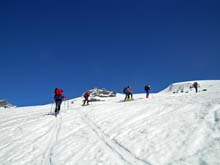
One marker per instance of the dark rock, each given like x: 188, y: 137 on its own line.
x: 5, y: 104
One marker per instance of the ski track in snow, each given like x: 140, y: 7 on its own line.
x: 115, y: 147
x: 48, y: 155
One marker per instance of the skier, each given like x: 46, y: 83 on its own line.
x: 86, y: 98
x: 195, y: 85
x: 147, y: 90
x: 58, y: 98
x: 128, y: 93
x: 125, y: 91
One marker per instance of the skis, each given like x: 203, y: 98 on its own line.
x: 123, y: 101
x: 85, y: 104
x: 128, y: 100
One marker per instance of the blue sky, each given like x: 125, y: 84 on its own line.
x: 79, y: 45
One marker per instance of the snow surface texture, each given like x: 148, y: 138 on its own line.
x: 169, y: 128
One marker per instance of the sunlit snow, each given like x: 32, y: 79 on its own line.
x: 173, y: 127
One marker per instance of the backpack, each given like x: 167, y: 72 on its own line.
x: 147, y: 87
x: 58, y: 92
x: 125, y: 90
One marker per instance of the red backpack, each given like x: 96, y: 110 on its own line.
x: 59, y: 92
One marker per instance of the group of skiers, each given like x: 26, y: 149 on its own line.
x: 129, y: 95
x: 58, y: 96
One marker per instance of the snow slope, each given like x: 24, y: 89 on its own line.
x: 167, y: 129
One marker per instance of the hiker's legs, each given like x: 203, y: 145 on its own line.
x: 130, y: 95
x: 58, y: 105
x: 126, y: 96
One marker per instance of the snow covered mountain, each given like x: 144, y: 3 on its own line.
x: 174, y: 127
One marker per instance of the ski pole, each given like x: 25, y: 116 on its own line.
x: 65, y: 105
x: 51, y: 109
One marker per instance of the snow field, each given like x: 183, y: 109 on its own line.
x: 166, y: 129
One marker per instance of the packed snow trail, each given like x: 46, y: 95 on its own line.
x: 169, y: 128
x: 52, y: 140
x: 113, y: 145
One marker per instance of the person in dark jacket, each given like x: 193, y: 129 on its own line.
x: 147, y: 90
x: 195, y: 85
x: 125, y: 91
x: 128, y: 93
x: 58, y: 98
x: 86, y: 98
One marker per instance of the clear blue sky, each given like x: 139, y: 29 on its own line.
x: 78, y: 45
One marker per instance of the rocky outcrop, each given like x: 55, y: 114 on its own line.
x: 102, y: 93
x: 5, y: 104
x: 97, y: 94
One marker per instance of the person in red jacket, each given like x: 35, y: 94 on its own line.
x: 86, y: 98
